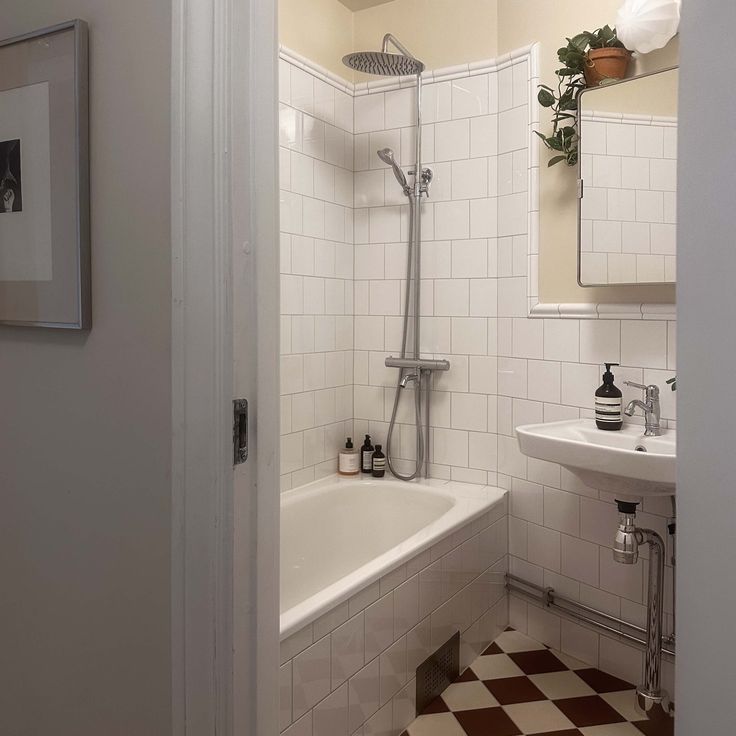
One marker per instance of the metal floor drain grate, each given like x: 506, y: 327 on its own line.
x: 438, y: 671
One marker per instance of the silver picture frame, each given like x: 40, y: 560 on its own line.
x: 54, y: 62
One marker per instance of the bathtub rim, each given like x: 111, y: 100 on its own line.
x: 471, y: 502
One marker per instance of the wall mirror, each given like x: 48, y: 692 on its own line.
x: 628, y: 181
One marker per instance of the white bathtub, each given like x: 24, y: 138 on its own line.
x: 340, y: 535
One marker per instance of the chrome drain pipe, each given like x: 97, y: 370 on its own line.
x: 649, y: 695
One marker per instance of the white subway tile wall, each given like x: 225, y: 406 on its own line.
x: 353, y: 670
x: 628, y: 212
x: 560, y: 531
x: 316, y: 154
x: 479, y: 255
x: 459, y: 304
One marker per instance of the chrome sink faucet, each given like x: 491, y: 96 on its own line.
x: 650, y: 408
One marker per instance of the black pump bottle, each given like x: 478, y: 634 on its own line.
x: 608, y: 403
x: 366, y: 455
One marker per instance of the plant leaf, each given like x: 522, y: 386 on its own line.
x: 555, y: 160
x: 580, y: 41
x: 546, y: 98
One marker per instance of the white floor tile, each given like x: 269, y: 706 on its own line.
x: 495, y: 666
x: 515, y: 641
x: 558, y: 685
x: 468, y: 696
x: 625, y: 703
x: 538, y: 717
x: 438, y: 724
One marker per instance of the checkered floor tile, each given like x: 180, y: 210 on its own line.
x: 519, y: 687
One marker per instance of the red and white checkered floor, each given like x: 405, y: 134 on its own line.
x: 519, y: 687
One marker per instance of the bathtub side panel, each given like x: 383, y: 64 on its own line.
x: 456, y: 586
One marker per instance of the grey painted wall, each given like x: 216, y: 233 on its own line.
x: 85, y: 422
x: 706, y: 555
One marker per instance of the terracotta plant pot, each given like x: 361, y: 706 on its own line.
x: 602, y: 65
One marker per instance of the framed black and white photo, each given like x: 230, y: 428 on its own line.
x: 44, y: 179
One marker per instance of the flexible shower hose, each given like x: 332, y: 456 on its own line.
x: 414, y: 234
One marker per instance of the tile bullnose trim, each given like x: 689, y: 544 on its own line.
x: 659, y: 311
x: 542, y: 311
x: 629, y: 118
x: 602, y: 310
x: 358, y: 89
x: 286, y: 54
x: 578, y: 311
x: 620, y: 311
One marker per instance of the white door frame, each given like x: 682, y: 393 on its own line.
x: 224, y: 596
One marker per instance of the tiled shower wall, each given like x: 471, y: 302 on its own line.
x: 475, y: 140
x: 316, y: 172
x: 507, y: 368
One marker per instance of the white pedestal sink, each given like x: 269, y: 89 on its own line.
x: 622, y: 462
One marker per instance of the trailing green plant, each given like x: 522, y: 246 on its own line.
x: 563, y: 101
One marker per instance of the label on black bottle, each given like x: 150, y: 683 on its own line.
x: 608, y: 410
x: 367, y: 461
x: 379, y: 463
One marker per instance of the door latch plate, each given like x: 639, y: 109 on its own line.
x: 240, y: 431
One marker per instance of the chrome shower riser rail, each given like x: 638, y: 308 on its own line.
x: 573, y: 609
x: 389, y: 64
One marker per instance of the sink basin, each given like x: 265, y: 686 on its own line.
x: 622, y: 462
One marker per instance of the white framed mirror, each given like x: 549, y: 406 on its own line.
x: 627, y: 186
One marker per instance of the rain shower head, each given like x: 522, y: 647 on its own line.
x: 383, y: 63
x: 387, y: 156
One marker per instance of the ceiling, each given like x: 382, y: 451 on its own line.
x: 363, y: 4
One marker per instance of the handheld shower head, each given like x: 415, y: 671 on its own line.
x: 387, y: 156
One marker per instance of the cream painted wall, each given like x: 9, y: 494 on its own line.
x: 363, y: 4
x: 520, y: 22
x: 86, y: 421
x: 654, y: 95
x: 321, y: 30
x: 439, y: 32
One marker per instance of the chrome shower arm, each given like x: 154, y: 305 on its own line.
x: 389, y: 38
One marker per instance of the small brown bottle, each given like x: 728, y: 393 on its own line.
x: 379, y: 463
